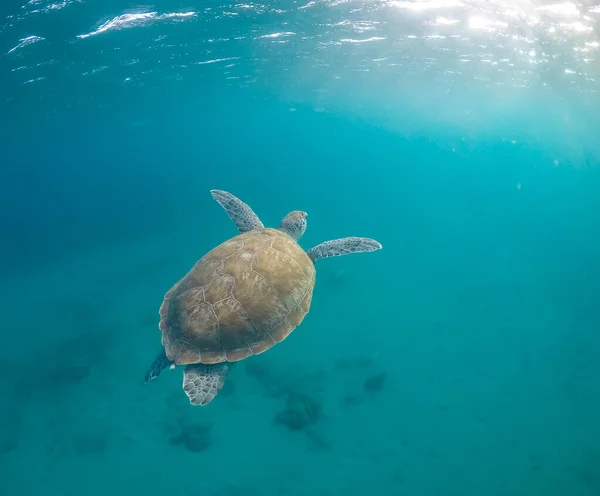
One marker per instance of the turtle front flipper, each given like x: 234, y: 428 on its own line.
x: 160, y: 363
x: 203, y: 382
x: 240, y: 213
x: 343, y: 246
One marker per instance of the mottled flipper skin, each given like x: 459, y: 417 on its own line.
x: 239, y: 212
x: 294, y: 224
x: 203, y: 382
x: 343, y: 246
x: 160, y: 363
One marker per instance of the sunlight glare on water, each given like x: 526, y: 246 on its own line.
x: 519, y: 37
x: 451, y: 61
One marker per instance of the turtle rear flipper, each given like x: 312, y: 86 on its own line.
x: 202, y: 382
x: 160, y: 363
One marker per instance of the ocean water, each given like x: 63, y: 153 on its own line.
x: 460, y: 360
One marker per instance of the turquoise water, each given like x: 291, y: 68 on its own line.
x: 462, y: 359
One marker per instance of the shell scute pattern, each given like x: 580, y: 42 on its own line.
x: 281, y: 331
x: 240, y: 299
x: 237, y: 263
x: 260, y: 300
x: 223, y: 251
x: 258, y: 241
x: 236, y: 327
x: 288, y: 247
x: 219, y: 288
x: 298, y: 313
x: 201, y: 275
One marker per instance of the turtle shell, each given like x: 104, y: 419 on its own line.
x: 240, y: 299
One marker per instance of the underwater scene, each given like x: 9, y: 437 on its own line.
x: 300, y: 247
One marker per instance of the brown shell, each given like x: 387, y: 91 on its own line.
x: 240, y: 299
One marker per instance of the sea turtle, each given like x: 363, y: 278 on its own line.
x: 241, y: 298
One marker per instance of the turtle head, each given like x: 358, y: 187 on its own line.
x: 294, y: 224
